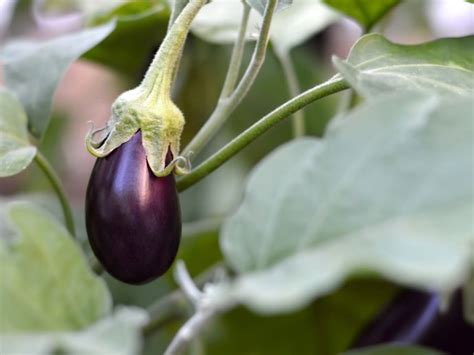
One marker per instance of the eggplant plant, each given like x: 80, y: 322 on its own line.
x: 340, y: 221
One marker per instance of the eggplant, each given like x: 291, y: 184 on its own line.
x: 414, y: 317
x: 133, y: 218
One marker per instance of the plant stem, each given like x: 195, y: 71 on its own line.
x: 237, y: 53
x: 176, y: 8
x: 189, y: 330
x: 172, y: 305
x: 288, y: 67
x: 257, y: 129
x: 58, y: 188
x: 226, y: 106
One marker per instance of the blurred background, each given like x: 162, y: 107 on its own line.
x: 119, y: 62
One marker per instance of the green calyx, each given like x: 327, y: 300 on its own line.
x: 149, y: 107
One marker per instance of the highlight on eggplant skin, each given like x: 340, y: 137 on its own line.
x: 133, y: 218
x: 414, y: 317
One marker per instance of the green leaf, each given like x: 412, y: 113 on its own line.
x: 117, y: 334
x: 46, y: 282
x: 377, y: 66
x: 32, y: 70
x: 260, y: 5
x: 387, y: 191
x: 366, y: 12
x: 393, y: 350
x: 16, y: 153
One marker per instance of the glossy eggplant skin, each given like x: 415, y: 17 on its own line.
x: 414, y: 317
x: 133, y: 218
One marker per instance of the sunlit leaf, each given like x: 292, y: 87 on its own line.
x: 46, y: 282
x: 16, y: 153
x: 376, y: 66
x: 387, y: 191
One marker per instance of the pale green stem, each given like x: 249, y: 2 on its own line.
x: 237, y: 54
x: 226, y: 106
x: 288, y: 67
x: 58, y: 188
x: 257, y: 129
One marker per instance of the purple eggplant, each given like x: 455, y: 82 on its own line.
x: 414, y: 317
x: 133, y: 218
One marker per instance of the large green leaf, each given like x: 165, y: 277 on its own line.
x: 32, y: 70
x: 366, y: 12
x: 394, y: 349
x: 117, y: 334
x: 387, y: 191
x: 376, y: 66
x: 46, y: 284
x: 16, y: 153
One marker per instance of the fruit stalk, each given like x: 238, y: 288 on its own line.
x: 160, y: 74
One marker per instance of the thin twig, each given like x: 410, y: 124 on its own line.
x: 226, y: 106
